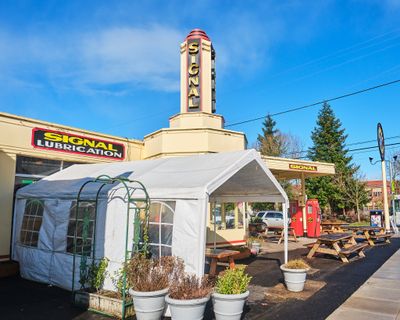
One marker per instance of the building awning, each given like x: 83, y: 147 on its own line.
x: 285, y: 168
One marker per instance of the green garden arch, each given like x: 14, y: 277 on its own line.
x: 137, y: 200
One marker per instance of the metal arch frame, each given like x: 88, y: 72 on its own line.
x: 140, y: 244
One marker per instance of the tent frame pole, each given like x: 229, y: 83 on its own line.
x: 285, y: 208
x: 213, y: 210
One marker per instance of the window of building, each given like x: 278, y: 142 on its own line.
x: 228, y: 215
x: 31, y: 222
x: 160, y: 228
x: 30, y: 170
x: 37, y: 166
x: 240, y: 214
x: 216, y: 209
x: 83, y: 226
x: 66, y: 164
x: 229, y: 209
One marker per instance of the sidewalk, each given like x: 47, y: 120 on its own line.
x: 377, y: 298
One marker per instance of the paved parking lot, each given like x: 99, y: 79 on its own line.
x: 22, y: 299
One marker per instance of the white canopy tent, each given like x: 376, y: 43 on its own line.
x: 189, y: 183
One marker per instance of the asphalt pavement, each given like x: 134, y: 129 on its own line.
x: 21, y: 299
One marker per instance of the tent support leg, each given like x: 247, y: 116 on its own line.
x: 213, y: 207
x: 285, y: 207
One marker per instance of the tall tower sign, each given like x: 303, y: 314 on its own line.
x: 196, y: 129
x: 197, y: 73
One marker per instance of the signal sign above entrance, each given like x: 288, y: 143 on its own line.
x: 197, y: 73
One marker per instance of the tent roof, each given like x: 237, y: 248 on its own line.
x: 227, y: 176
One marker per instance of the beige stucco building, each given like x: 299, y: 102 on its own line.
x: 32, y: 149
x: 26, y: 156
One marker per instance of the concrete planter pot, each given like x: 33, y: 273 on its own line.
x: 192, y: 309
x: 255, y: 247
x: 149, y: 305
x: 229, y: 306
x: 294, y: 278
x: 104, y: 304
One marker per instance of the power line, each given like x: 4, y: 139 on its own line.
x: 317, y: 103
x: 356, y: 155
x: 346, y: 145
x: 368, y: 141
x: 344, y: 51
x: 363, y: 148
x: 373, y: 147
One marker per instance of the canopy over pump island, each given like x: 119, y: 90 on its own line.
x: 199, y: 177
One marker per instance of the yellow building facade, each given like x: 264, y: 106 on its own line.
x: 32, y: 149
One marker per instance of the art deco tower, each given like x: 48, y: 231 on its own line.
x: 197, y: 73
x: 196, y: 129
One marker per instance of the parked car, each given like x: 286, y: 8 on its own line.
x: 272, y: 218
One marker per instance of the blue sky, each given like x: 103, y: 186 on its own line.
x: 113, y: 66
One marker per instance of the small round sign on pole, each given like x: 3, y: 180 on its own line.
x: 381, y: 141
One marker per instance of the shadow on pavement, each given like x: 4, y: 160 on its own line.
x: 21, y: 299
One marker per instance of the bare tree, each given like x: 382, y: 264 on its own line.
x: 396, y: 168
x: 292, y: 146
x: 355, y: 192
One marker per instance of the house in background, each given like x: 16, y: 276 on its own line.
x: 375, y: 192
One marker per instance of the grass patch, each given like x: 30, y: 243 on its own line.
x: 359, y: 224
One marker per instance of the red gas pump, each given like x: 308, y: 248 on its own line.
x: 296, y: 216
x: 313, y: 213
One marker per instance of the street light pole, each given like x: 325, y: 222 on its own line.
x: 384, y: 189
x: 380, y: 137
x: 385, y: 196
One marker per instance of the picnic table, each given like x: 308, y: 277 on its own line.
x: 278, y: 232
x: 340, y: 245
x: 333, y: 226
x: 217, y: 254
x: 371, y: 234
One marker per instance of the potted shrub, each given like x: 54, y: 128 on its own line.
x: 148, y: 281
x: 230, y: 294
x: 188, y: 296
x: 256, y: 225
x: 254, y: 243
x: 294, y: 273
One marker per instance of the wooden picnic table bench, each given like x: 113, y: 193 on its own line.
x: 217, y: 254
x: 371, y: 234
x: 340, y: 245
x: 333, y: 226
x: 278, y: 232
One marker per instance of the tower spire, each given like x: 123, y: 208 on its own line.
x: 197, y: 73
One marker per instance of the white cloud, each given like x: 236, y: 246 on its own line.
x: 113, y: 60
x: 141, y: 57
x: 245, y: 45
x: 393, y: 4
x: 118, y: 59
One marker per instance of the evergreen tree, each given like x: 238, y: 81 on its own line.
x: 270, y: 142
x: 329, y: 140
